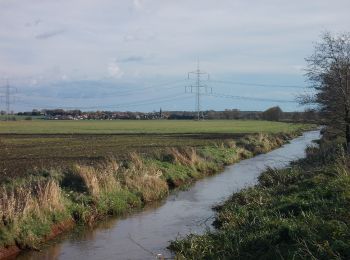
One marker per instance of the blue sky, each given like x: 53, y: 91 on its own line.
x: 134, y: 55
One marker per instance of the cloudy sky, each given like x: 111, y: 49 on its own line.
x: 135, y: 54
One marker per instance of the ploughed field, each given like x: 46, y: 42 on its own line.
x: 27, y: 145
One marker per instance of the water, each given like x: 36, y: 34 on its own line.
x: 147, y: 233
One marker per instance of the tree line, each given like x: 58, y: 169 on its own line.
x: 272, y: 114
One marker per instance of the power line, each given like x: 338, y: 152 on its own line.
x: 166, y: 86
x: 142, y: 102
x: 220, y: 95
x: 7, y: 99
x: 197, y: 87
x: 256, y: 84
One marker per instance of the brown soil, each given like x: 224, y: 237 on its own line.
x: 8, y: 252
x: 59, y: 228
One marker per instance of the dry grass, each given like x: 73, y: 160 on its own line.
x: 48, y: 196
x: 230, y: 144
x: 186, y: 156
x: 107, y: 176
x: 261, y: 143
x: 139, y: 177
x: 39, y: 198
x: 14, y: 203
x: 89, y: 176
x: 145, y: 179
x: 101, y: 179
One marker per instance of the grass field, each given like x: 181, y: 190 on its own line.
x: 146, y: 126
x: 19, y: 118
x: 27, y: 145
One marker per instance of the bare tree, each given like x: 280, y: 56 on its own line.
x: 329, y: 72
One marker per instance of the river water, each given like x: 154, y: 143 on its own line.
x: 147, y: 233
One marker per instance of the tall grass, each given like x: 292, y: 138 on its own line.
x: 34, y: 198
x: 30, y: 208
x: 41, y: 202
x: 145, y: 179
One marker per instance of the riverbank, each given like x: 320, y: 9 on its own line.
x: 300, y: 212
x: 85, y: 194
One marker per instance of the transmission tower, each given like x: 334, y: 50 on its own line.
x: 7, y: 99
x: 198, y: 88
x: 9, y: 90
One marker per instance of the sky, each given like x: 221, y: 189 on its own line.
x: 135, y: 55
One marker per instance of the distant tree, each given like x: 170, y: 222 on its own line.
x: 329, y: 73
x: 231, y: 114
x: 235, y: 113
x: 310, y: 115
x: 75, y: 112
x: 35, y: 112
x: 54, y: 112
x: 227, y: 114
x: 296, y: 116
x: 211, y: 114
x: 272, y: 114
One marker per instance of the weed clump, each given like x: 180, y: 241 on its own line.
x: 27, y: 210
x: 145, y: 179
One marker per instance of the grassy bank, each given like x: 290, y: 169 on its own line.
x: 46, y: 202
x: 301, y: 212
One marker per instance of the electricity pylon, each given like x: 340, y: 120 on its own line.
x: 198, y: 88
x: 9, y: 90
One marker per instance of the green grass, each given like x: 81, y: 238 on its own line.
x: 300, y: 212
x: 146, y: 126
x: 19, y: 118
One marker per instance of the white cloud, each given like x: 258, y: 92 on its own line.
x: 33, y: 82
x: 138, y: 4
x: 114, y: 70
